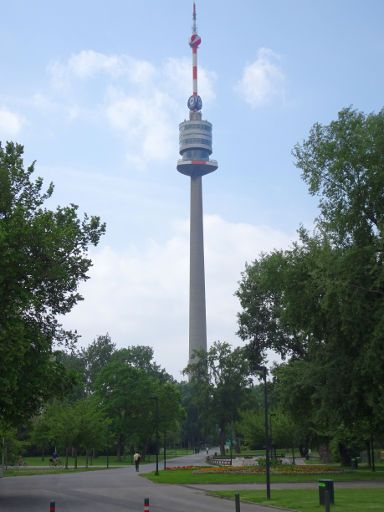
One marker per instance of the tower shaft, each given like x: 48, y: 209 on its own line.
x: 197, y: 311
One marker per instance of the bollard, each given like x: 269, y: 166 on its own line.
x: 52, y: 506
x: 237, y: 502
x: 326, y: 485
x: 327, y: 501
x: 146, y: 504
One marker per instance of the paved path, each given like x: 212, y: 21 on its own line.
x: 114, y: 490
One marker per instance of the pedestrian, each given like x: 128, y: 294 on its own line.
x: 136, y: 459
x: 54, y: 460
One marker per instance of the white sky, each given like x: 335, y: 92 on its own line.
x: 95, y: 91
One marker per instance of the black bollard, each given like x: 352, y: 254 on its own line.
x: 237, y: 502
x: 146, y: 504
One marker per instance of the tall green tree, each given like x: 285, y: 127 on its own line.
x: 65, y: 426
x: 220, y: 378
x: 94, y: 358
x: 128, y: 394
x: 92, y: 425
x: 321, y: 302
x: 142, y: 358
x: 43, y: 258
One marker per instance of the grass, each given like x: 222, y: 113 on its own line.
x: 45, y: 471
x: 188, y: 476
x: 305, y: 500
x: 101, y: 460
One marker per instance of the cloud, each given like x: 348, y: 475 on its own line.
x: 10, y: 123
x: 145, y: 125
x: 140, y: 295
x: 141, y: 103
x: 263, y: 80
x: 89, y: 64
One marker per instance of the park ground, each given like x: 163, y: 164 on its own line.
x: 123, y: 489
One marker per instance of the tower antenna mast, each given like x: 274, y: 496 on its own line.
x: 194, y: 26
x: 194, y: 43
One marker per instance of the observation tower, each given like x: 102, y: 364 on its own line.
x: 195, y: 139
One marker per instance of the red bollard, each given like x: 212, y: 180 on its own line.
x: 146, y: 504
x: 52, y: 506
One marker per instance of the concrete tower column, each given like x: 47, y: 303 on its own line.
x: 197, y: 311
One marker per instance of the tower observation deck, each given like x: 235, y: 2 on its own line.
x: 195, y: 148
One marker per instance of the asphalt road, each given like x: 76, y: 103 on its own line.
x: 114, y: 490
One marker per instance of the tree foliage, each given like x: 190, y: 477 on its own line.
x: 94, y: 358
x: 219, y: 379
x: 127, y: 394
x: 43, y: 257
x: 79, y: 425
x: 320, y: 304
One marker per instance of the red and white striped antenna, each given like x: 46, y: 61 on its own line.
x: 194, y: 43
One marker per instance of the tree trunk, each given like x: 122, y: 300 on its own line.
x: 325, y: 455
x: 369, y: 458
x: 119, y: 448
x: 345, y: 455
x: 372, y: 453
x: 303, y: 450
x: 222, y: 441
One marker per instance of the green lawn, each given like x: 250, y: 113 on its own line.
x: 188, y: 476
x: 44, y: 471
x: 101, y: 460
x: 346, y: 500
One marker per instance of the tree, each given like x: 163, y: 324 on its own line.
x: 43, y: 257
x: 92, y: 425
x: 342, y: 163
x: 57, y: 427
x: 220, y: 378
x: 198, y: 427
x: 321, y: 303
x: 74, y: 367
x: 96, y: 357
x: 141, y: 357
x: 64, y: 425
x: 126, y: 394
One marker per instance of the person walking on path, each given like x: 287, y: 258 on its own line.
x: 136, y: 459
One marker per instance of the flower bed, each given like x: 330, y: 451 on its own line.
x: 280, y: 469
x: 173, y: 468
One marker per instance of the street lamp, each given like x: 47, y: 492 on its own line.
x: 156, y: 398
x: 273, y: 447
x: 263, y: 370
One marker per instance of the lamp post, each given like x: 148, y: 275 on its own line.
x: 263, y: 370
x: 273, y: 448
x: 156, y: 399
